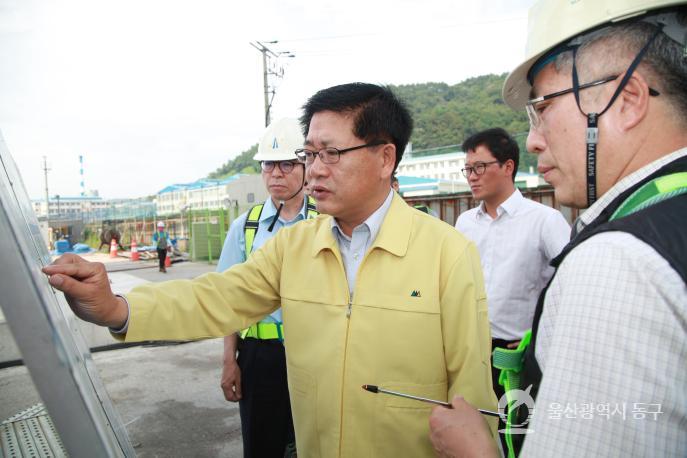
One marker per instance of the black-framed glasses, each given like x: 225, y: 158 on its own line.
x: 533, y: 113
x: 478, y: 168
x: 329, y: 155
x: 284, y: 166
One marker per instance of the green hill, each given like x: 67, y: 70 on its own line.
x: 444, y: 115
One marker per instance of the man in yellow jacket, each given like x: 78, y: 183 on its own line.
x: 377, y: 293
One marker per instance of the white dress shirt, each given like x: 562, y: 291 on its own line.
x: 515, y: 249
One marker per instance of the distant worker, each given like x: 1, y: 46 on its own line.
x: 604, y: 84
x: 162, y: 244
x: 516, y: 238
x: 258, y: 381
x: 373, y: 292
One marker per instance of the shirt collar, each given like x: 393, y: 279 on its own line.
x: 393, y: 234
x: 510, y: 206
x: 373, y: 222
x: 597, y: 207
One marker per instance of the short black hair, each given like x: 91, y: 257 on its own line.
x: 378, y: 113
x: 501, y: 145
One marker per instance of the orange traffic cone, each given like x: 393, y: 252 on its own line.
x: 168, y: 259
x: 135, y: 255
x: 113, y: 248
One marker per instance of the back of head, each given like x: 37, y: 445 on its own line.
x: 280, y: 141
x: 501, y: 145
x: 378, y: 113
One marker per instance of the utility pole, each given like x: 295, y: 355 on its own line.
x: 47, y: 196
x: 269, y: 68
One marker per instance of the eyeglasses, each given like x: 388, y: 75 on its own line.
x: 284, y: 166
x: 478, y: 168
x: 329, y: 155
x: 534, y: 112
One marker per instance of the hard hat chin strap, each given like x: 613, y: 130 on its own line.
x: 592, y: 134
x: 281, y: 202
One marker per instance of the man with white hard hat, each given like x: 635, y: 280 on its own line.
x: 257, y: 379
x: 605, y: 88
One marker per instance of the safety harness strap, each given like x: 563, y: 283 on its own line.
x: 510, y: 361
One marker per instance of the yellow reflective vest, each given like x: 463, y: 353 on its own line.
x: 417, y: 323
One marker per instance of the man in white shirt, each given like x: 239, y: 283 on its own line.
x: 516, y: 237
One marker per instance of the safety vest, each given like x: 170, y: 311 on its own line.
x: 422, y: 208
x: 250, y: 228
x: 660, y: 198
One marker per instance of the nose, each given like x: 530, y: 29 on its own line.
x: 316, y: 169
x: 473, y: 176
x: 536, y: 143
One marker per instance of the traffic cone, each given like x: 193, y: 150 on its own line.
x: 168, y: 259
x: 113, y: 248
x: 135, y: 255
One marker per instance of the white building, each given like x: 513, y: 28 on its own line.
x: 443, y: 163
x: 237, y: 190
x: 69, y: 207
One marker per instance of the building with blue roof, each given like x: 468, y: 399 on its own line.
x: 240, y: 190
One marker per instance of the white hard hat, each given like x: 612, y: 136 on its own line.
x: 280, y: 141
x: 160, y: 224
x: 553, y: 22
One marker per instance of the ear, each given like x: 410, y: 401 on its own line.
x: 388, y: 156
x: 633, y: 102
x: 509, y: 167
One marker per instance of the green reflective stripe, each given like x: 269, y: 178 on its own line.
x: 654, y: 191
x: 264, y: 331
x: 250, y: 228
x: 510, y: 361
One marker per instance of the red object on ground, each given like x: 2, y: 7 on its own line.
x: 135, y: 255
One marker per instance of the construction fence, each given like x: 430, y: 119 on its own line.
x: 202, y: 232
x: 449, y: 206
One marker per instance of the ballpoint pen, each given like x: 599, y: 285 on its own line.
x: 376, y: 389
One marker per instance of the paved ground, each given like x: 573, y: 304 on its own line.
x: 168, y: 396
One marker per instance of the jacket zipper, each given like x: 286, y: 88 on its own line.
x: 345, y: 356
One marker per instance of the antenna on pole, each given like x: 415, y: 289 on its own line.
x: 270, y: 68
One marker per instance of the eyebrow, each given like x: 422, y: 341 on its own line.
x: 325, y: 144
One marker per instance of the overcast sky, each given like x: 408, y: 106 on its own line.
x: 154, y: 92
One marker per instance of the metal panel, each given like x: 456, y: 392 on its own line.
x: 46, y: 332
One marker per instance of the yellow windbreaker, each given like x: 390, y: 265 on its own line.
x: 417, y: 323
